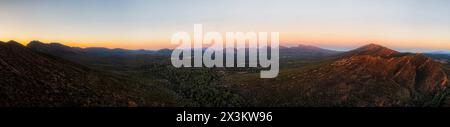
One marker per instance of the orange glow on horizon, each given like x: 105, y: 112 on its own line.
x: 286, y: 38
x: 139, y: 24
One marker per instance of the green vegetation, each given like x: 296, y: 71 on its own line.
x: 197, y: 86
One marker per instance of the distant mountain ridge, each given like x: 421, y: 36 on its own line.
x: 99, y: 55
x: 440, y: 52
x: 40, y: 46
x: 305, y: 51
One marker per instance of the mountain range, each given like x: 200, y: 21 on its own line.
x: 440, y: 52
x: 42, y: 74
x: 31, y: 78
x: 98, y: 55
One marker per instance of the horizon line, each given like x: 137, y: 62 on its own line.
x: 334, y: 48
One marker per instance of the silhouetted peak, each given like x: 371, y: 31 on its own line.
x: 13, y: 43
x: 35, y: 43
x: 39, y: 43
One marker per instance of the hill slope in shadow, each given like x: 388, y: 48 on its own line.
x: 30, y: 78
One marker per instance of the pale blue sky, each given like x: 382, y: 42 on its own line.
x: 340, y: 24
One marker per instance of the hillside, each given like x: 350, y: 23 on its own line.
x: 34, y: 79
x: 372, y: 75
x: 187, y: 86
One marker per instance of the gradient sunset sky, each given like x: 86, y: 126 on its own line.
x: 419, y: 25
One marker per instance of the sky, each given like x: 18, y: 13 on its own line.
x: 409, y: 25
